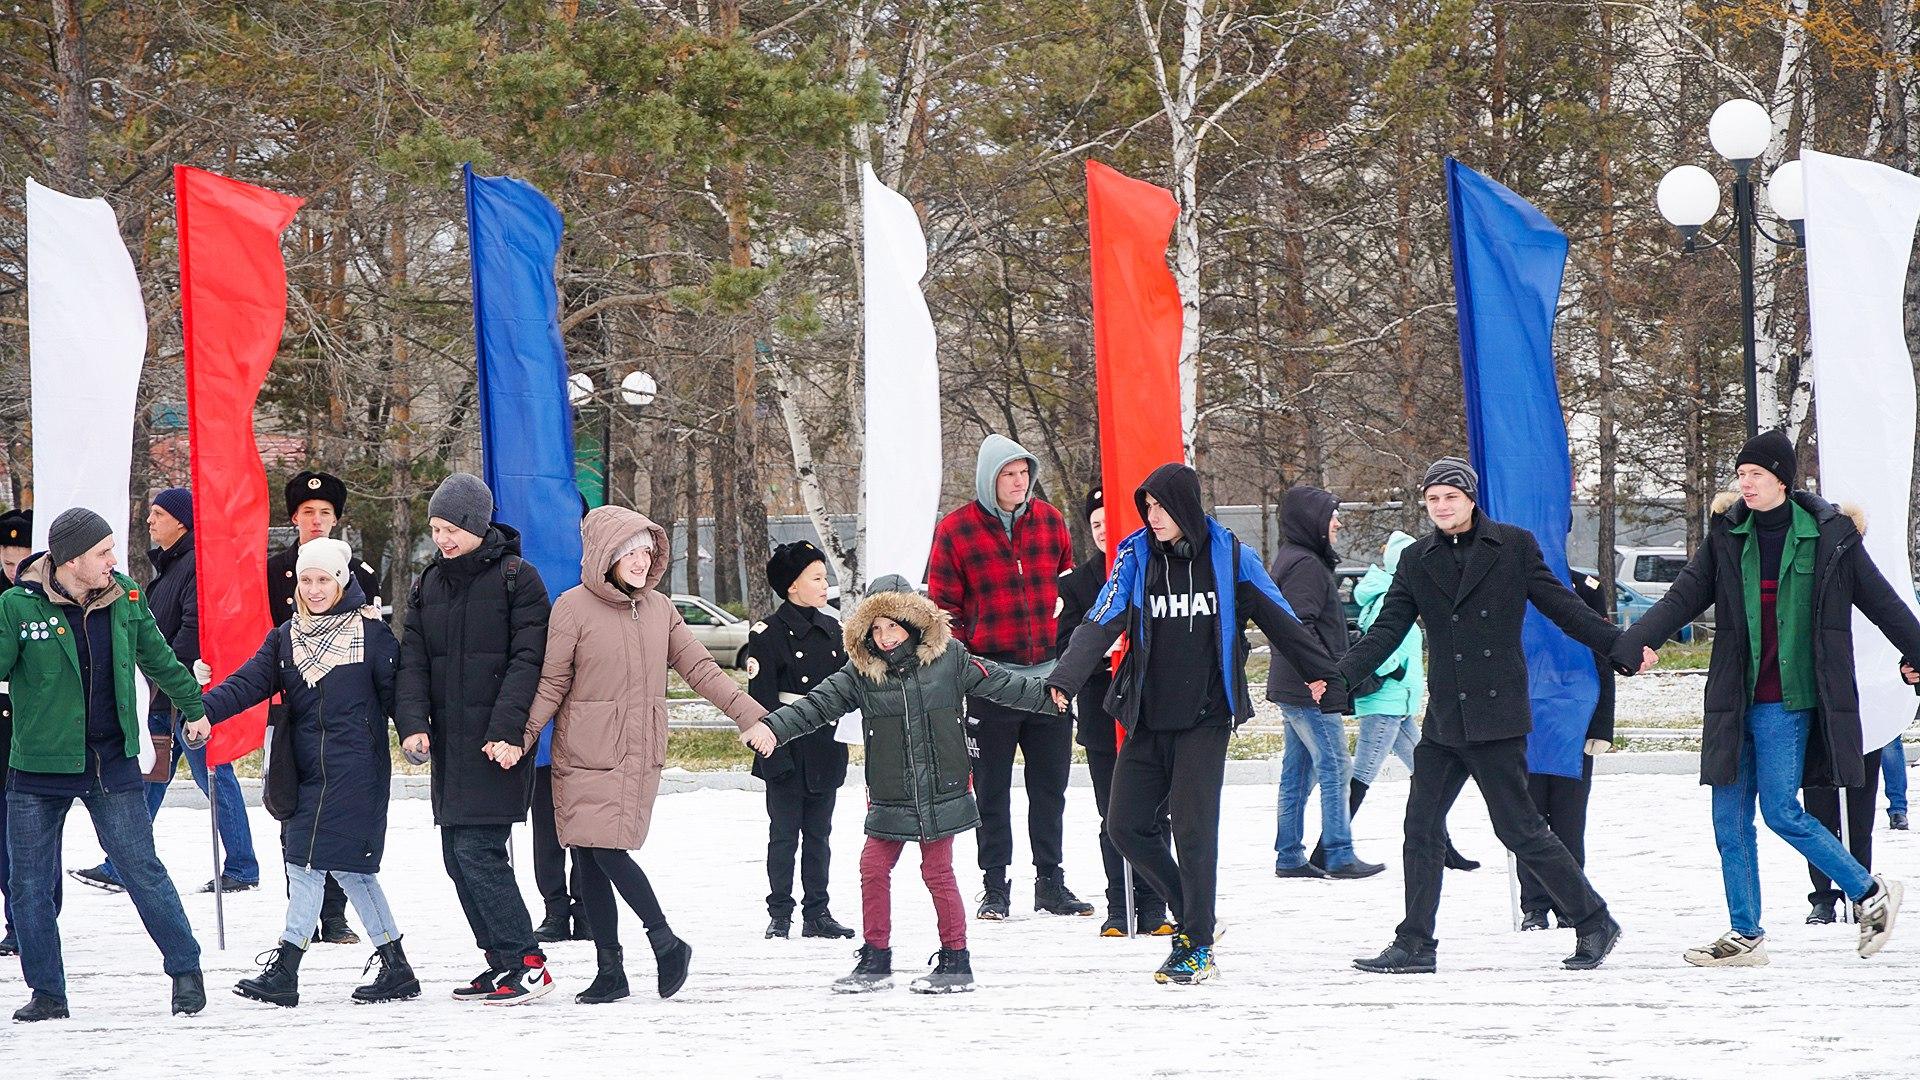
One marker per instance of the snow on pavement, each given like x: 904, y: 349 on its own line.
x: 1054, y: 1000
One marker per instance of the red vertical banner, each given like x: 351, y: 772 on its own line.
x: 233, y: 306
x: 1136, y: 338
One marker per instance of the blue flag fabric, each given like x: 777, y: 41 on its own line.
x: 526, y: 422
x: 1507, y: 264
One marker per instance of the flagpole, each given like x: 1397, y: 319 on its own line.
x: 1513, y: 891
x: 213, y: 817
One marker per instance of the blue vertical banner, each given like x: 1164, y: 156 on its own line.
x: 1508, y: 260
x: 526, y: 422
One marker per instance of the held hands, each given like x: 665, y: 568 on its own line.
x: 1907, y: 673
x: 202, y: 674
x: 197, y: 732
x: 504, y: 754
x: 1318, y: 689
x: 417, y: 744
x: 1059, y: 699
x: 1596, y: 747
x: 760, y: 739
x: 1648, y: 658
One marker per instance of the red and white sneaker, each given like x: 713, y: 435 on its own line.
x: 481, y: 986
x: 528, y: 980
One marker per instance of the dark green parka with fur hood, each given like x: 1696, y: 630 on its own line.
x: 913, y: 715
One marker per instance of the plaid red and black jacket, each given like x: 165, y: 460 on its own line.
x: 1001, y: 592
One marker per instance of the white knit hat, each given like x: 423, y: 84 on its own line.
x: 325, y: 553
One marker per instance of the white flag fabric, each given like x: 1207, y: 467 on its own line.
x: 1860, y: 223
x: 86, y: 339
x: 903, y: 389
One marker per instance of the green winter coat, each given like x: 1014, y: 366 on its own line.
x: 918, y: 771
x: 1399, y: 695
x: 38, y: 658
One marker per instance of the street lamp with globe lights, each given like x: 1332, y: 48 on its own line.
x: 637, y: 390
x: 1689, y: 197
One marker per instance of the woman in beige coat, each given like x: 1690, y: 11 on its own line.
x: 604, y: 687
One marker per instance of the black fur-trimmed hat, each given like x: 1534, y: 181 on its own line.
x: 308, y: 486
x: 789, y: 562
x: 1096, y: 500
x: 16, y: 528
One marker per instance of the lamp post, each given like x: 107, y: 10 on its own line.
x: 637, y: 390
x: 1689, y: 197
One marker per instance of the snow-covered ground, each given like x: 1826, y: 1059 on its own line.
x: 1054, y: 999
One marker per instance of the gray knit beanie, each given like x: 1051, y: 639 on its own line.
x: 1453, y: 472
x: 74, y: 533
x: 463, y: 501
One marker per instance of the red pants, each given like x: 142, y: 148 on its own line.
x: 936, y: 869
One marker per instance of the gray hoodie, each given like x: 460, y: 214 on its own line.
x: 996, y: 452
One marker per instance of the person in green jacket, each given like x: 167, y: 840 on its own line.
x: 72, y: 634
x: 909, y: 677
x: 1389, y: 714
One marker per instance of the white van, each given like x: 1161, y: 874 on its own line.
x: 1650, y: 570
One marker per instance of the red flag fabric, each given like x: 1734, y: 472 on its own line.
x: 233, y: 305
x: 1136, y: 338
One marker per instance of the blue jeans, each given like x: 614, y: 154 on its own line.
x: 1315, y: 753
x: 1771, y: 756
x: 6, y: 890
x: 236, y: 838
x: 35, y: 825
x: 1379, y: 736
x: 1893, y: 772
x: 306, y: 889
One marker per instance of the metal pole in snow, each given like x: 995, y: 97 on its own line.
x: 213, y: 816
x: 1513, y: 890
x: 1126, y: 879
x: 1846, y: 841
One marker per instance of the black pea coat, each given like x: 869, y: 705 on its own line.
x: 1472, y: 611
x: 788, y: 656
x: 1079, y: 587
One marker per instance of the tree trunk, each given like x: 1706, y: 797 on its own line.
x: 1603, y: 320
x: 726, y: 523
x: 840, y: 560
x: 70, y: 88
x: 399, y: 439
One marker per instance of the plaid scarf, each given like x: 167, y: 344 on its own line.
x: 320, y: 642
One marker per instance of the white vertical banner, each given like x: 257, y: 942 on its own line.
x: 902, y: 459
x: 1860, y: 224
x: 86, y: 339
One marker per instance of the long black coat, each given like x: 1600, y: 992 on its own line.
x: 469, y: 667
x: 1843, y: 578
x: 1476, y: 671
x: 787, y: 656
x: 173, y: 594
x: 341, y: 757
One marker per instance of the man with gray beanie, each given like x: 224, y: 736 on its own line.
x: 469, y: 666
x: 1469, y: 582
x: 73, y: 635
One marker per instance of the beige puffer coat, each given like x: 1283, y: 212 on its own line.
x: 604, y: 687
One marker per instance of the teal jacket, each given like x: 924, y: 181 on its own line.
x: 1398, y: 696
x: 39, y: 660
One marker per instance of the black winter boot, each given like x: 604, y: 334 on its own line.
x: 610, y: 981
x: 1456, y: 861
x: 279, y: 982
x: 672, y: 955
x: 872, y: 971
x: 824, y: 925
x: 1356, y: 794
x: 996, y: 903
x: 40, y: 1007
x: 558, y: 924
x: 396, y: 981
x: 953, y: 974
x: 1400, y: 958
x: 1051, y: 895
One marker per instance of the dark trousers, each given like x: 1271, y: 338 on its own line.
x: 602, y: 870
x: 1499, y: 769
x: 994, y: 732
x: 559, y: 891
x: 1562, y: 800
x: 1177, y: 772
x: 1146, y: 903
x: 799, y: 822
x: 6, y: 890
x: 1824, y: 804
x: 476, y: 859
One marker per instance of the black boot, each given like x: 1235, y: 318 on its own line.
x: 40, y: 1007
x: 189, y: 994
x: 826, y: 926
x: 1534, y: 920
x: 952, y: 974
x: 279, y: 982
x: 1051, y: 895
x: 396, y: 981
x: 9, y: 945
x: 872, y: 971
x: 780, y: 926
x: 996, y: 903
x: 333, y: 928
x: 1591, y: 947
x: 557, y: 926
x: 672, y: 955
x: 1400, y: 958
x: 1356, y: 794
x: 1823, y: 911
x: 582, y: 929
x: 610, y: 981
x: 1457, y: 861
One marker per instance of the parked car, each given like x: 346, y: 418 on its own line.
x: 1347, y: 576
x: 1630, y: 604
x: 716, y: 628
x: 1650, y: 571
